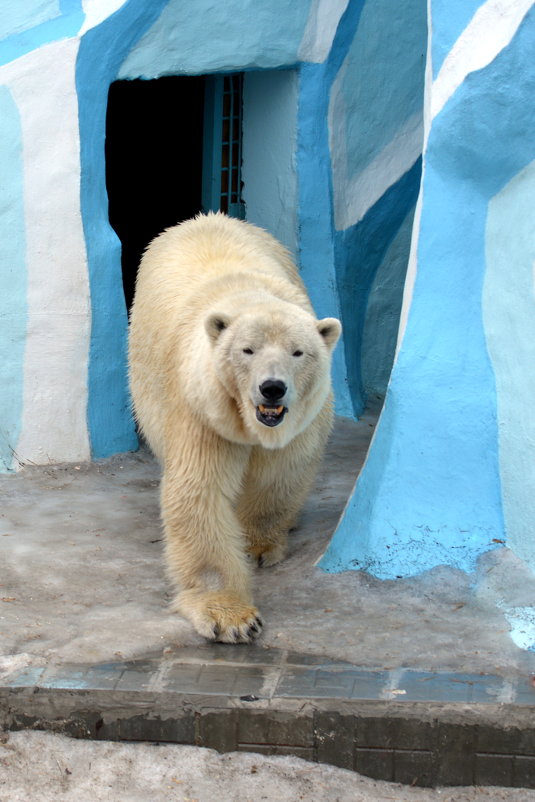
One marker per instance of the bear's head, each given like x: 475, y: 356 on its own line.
x: 273, y: 360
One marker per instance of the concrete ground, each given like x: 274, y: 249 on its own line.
x: 83, y: 579
x: 83, y: 584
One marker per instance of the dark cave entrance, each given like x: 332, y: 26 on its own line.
x: 154, y: 161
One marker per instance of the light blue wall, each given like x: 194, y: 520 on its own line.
x: 213, y: 36
x: 431, y: 490
x: 17, y: 17
x: 509, y: 321
x: 13, y: 306
x: 269, y: 141
x: 28, y: 25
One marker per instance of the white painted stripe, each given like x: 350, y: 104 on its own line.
x: 490, y: 30
x: 412, y: 266
x: 323, y: 19
x: 356, y: 195
x: 97, y: 11
x: 54, y: 427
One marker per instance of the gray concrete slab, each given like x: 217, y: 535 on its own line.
x: 83, y: 579
x: 88, y: 645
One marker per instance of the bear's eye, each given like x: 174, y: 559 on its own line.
x: 297, y: 353
x: 248, y: 351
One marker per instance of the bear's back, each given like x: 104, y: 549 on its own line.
x: 198, y: 251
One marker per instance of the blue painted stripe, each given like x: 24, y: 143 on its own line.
x: 382, y: 85
x: 359, y: 253
x: 102, y: 50
x: 430, y: 490
x: 13, y: 279
x: 67, y: 24
x: 315, y: 215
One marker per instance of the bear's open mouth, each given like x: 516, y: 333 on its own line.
x: 270, y: 416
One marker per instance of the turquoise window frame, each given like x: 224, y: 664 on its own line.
x: 223, y: 143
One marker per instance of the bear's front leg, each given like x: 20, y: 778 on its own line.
x: 205, y: 545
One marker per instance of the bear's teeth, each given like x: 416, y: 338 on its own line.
x: 263, y: 409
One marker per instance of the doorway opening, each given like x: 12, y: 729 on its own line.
x: 173, y: 149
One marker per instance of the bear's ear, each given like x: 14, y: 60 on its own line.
x: 330, y: 329
x: 215, y: 324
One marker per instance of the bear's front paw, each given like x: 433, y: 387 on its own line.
x: 220, y: 616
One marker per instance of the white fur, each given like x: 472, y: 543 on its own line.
x: 219, y: 309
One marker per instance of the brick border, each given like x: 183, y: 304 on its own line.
x: 421, y: 728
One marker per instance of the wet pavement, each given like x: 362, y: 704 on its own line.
x: 416, y: 680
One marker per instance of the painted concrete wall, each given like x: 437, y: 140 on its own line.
x: 450, y: 472
x: 63, y: 318
x: 360, y: 142
x: 269, y: 143
x: 369, y: 159
x: 13, y: 278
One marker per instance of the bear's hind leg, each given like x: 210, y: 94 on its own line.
x: 275, y: 488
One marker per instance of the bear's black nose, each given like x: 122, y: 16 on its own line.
x: 272, y: 389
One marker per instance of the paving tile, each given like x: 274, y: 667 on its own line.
x: 229, y: 653
x: 72, y: 677
x: 524, y: 772
x: 487, y: 689
x: 182, y: 678
x: 524, y: 690
x: 317, y: 683
x: 334, y: 736
x: 389, y: 732
x: 275, y: 727
x: 178, y: 729
x: 133, y: 680
x: 376, y: 763
x: 507, y: 740
x: 493, y: 770
x: 433, y: 687
x: 25, y: 678
x: 454, y: 746
x: 218, y: 730
x: 256, y: 681
x: 369, y: 684
x: 414, y: 767
x: 218, y: 680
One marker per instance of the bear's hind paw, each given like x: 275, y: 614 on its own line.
x: 265, y: 556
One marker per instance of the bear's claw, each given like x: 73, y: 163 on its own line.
x: 219, y: 616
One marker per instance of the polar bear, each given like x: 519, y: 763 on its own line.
x: 230, y: 380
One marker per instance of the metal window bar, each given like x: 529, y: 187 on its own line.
x: 223, y: 145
